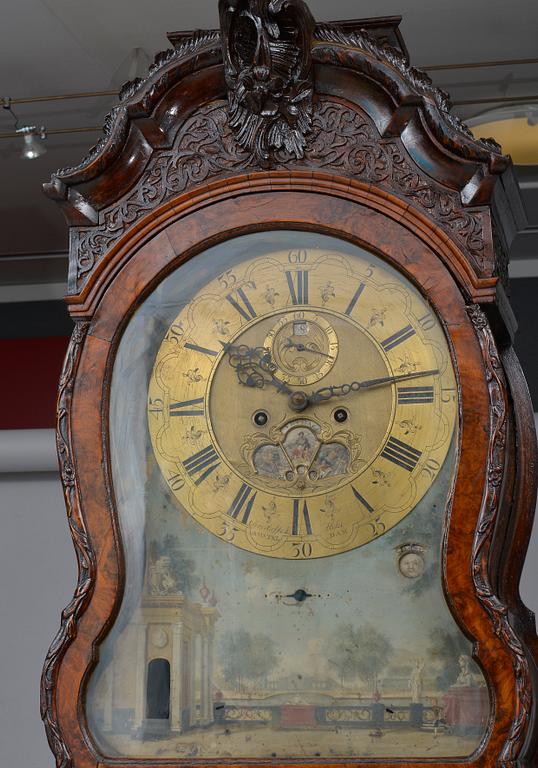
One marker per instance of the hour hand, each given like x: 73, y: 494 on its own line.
x: 254, y: 367
x: 252, y: 375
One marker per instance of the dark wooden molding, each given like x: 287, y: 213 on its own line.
x: 374, y: 223
x: 137, y: 99
x: 147, y: 122
x: 484, y: 536
x: 268, y: 69
x: 520, y: 514
x: 343, y: 141
x: 450, y: 130
x: 83, y: 550
x: 384, y: 29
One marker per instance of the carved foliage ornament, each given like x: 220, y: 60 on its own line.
x: 85, y: 554
x: 268, y: 70
x: 342, y: 140
x: 483, y: 540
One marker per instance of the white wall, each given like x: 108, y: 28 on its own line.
x: 37, y: 578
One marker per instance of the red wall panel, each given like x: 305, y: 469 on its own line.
x: 29, y: 381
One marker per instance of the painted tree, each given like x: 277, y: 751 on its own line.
x: 360, y: 652
x: 247, y: 657
x: 446, y: 646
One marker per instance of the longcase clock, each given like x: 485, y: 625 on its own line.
x: 296, y: 446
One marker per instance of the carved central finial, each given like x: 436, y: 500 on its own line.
x: 268, y: 69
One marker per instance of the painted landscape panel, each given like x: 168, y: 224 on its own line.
x: 219, y: 652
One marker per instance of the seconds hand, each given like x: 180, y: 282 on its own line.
x: 326, y: 393
x: 303, y: 348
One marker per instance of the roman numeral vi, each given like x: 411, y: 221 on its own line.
x: 295, y: 526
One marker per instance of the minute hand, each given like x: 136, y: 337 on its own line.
x: 326, y: 393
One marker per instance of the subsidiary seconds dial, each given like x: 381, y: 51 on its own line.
x: 302, y: 409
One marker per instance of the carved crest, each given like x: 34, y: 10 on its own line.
x: 268, y: 69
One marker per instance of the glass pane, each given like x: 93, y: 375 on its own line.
x: 283, y: 420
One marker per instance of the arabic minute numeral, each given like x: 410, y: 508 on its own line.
x: 298, y: 257
x: 227, y: 532
x: 302, y: 550
x: 175, y: 333
x: 156, y: 406
x: 176, y: 481
x: 227, y: 279
x: 378, y: 528
x: 427, y: 322
x: 431, y: 467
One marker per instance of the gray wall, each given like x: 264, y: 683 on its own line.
x: 37, y: 574
x: 37, y: 578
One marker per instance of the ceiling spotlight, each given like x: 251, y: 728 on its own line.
x: 32, y: 141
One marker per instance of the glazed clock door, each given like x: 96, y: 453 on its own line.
x: 283, y: 439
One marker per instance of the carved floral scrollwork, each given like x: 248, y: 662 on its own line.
x: 342, y: 140
x: 418, y: 80
x: 205, y: 147
x: 83, y: 549
x: 482, y: 543
x: 268, y: 68
x: 148, y: 89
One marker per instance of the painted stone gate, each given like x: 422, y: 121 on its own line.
x: 170, y: 644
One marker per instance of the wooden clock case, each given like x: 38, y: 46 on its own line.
x: 377, y: 159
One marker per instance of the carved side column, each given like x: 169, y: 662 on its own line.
x: 141, y: 674
x: 175, y: 679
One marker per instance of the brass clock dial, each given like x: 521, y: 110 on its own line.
x: 302, y: 403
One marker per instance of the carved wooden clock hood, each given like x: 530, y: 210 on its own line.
x: 296, y: 446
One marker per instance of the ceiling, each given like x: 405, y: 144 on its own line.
x: 53, y: 47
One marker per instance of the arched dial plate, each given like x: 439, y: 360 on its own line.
x: 289, y: 483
